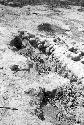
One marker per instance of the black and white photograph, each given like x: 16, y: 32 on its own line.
x: 41, y: 62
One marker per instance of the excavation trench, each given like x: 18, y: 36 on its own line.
x: 50, y: 56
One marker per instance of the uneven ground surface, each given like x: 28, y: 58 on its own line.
x: 41, y: 69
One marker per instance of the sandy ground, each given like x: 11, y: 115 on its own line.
x: 70, y: 65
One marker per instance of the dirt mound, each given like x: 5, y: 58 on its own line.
x: 45, y: 27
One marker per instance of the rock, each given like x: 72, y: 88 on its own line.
x: 15, y: 68
x: 76, y: 58
x: 82, y: 61
x: 81, y: 10
x: 33, y: 42
x: 25, y: 43
x: 56, y: 39
x: 16, y: 42
x: 47, y: 50
x: 30, y: 35
x: 51, y: 49
x: 82, y: 53
x: 43, y: 49
x: 72, y: 49
x: 38, y: 40
x: 21, y: 33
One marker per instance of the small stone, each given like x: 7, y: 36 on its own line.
x: 82, y: 61
x: 51, y: 50
x: 31, y: 35
x: 24, y: 42
x: 72, y: 49
x: 33, y: 42
x: 39, y: 45
x: 15, y: 68
x: 82, y: 53
x: 21, y: 33
x: 47, y: 50
x: 76, y: 58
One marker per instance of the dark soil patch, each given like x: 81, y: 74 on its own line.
x: 45, y: 27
